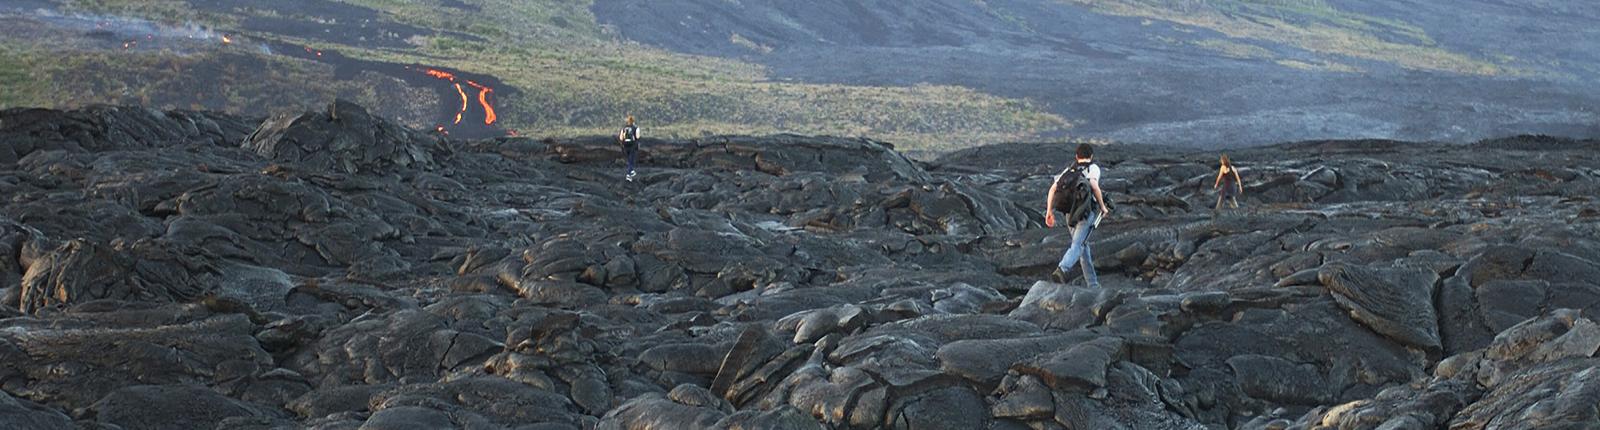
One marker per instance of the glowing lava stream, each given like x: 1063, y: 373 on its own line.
x: 440, y: 75
x: 483, y: 99
x: 489, y: 116
x: 463, y: 103
x: 488, y: 111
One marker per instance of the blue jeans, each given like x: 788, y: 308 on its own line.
x: 633, y: 151
x: 1079, y: 253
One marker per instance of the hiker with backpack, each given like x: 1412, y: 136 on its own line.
x: 1228, y: 184
x: 1076, y: 193
x: 629, y: 139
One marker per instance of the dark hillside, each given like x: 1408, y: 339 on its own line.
x: 1196, y: 74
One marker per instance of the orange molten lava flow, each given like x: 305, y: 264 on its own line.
x: 226, y: 40
x: 489, y: 116
x: 463, y: 103
x: 440, y: 74
x: 488, y: 111
x: 484, y: 95
x: 483, y: 99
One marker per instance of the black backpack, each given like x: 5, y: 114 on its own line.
x: 1073, y: 195
x: 629, y: 135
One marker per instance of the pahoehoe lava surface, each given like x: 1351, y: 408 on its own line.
x: 178, y: 270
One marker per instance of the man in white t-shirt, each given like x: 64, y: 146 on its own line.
x: 1079, y: 253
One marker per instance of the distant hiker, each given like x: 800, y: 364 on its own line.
x: 1228, y: 185
x: 629, y: 138
x: 1076, y: 193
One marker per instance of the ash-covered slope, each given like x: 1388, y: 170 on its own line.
x: 331, y: 271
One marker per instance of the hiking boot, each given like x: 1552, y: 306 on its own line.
x: 630, y: 176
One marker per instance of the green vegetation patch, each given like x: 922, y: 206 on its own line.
x: 19, y: 79
x: 1312, y: 25
x: 164, y: 11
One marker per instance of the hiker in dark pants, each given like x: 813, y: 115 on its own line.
x: 629, y: 138
x: 1083, y: 176
x: 1228, y: 184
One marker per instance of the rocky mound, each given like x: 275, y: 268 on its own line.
x: 332, y: 271
x: 345, y: 139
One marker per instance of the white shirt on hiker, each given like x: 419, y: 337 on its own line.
x: 1092, y: 173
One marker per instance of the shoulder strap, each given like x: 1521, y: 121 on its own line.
x: 1080, y: 168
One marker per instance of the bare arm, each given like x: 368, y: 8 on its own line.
x: 1050, y: 205
x: 1050, y: 199
x: 1218, y: 183
x: 1099, y: 197
x: 1238, y: 181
